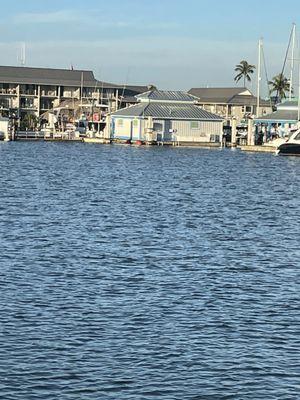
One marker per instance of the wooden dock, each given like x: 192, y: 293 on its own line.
x: 96, y: 140
x: 259, y: 149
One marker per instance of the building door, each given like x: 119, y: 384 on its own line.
x: 158, y: 128
x: 168, y: 136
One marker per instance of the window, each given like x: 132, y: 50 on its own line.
x: 135, y: 122
x: 194, y: 124
x: 246, y: 109
x: 119, y: 122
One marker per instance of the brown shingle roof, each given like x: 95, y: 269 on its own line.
x: 232, y: 96
x: 50, y: 76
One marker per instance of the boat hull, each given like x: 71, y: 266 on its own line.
x: 289, y: 149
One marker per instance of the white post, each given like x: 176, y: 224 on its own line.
x: 117, y: 99
x: 250, y: 136
x: 107, y: 129
x: 233, y: 133
x: 258, y: 76
x: 292, y: 61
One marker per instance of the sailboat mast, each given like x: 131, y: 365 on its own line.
x: 81, y: 86
x: 258, y: 77
x: 292, y: 60
x: 299, y: 93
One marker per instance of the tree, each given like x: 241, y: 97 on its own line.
x: 152, y: 87
x: 280, y: 85
x: 244, y: 71
x: 29, y: 121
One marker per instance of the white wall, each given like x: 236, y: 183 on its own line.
x: 122, y: 128
x: 136, y: 126
x: 132, y: 128
x: 206, y: 131
x: 4, y: 123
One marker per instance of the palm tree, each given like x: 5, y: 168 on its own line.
x: 280, y: 84
x: 244, y: 70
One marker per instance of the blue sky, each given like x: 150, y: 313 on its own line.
x: 173, y: 44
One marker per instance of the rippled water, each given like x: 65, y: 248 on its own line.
x: 148, y: 273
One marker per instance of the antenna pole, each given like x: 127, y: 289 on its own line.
x: 292, y: 60
x: 258, y: 77
x: 23, y: 55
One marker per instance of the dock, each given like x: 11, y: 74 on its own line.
x: 256, y: 148
x: 61, y: 139
x: 96, y: 140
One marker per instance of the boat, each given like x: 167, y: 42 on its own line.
x: 292, y: 146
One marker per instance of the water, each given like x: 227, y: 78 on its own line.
x: 148, y: 273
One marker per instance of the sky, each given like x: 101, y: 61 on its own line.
x: 169, y: 43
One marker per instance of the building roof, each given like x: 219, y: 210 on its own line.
x: 231, y: 95
x: 279, y: 116
x: 128, y: 99
x: 220, y: 94
x: 135, y: 88
x: 167, y: 111
x: 50, y: 76
x: 288, y: 105
x: 166, y: 95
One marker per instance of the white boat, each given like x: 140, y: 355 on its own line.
x: 292, y: 146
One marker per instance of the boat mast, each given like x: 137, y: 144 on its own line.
x: 260, y: 42
x: 299, y: 93
x: 81, y: 93
x: 292, y: 60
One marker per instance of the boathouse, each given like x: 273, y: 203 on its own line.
x: 280, y: 122
x: 169, y: 117
x: 286, y: 117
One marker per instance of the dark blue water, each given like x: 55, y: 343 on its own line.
x: 148, y: 273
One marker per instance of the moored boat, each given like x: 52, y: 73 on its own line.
x: 292, y: 146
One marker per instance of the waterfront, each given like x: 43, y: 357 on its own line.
x: 140, y: 272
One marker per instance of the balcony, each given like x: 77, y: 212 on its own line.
x: 9, y: 92
x: 25, y: 105
x: 29, y: 93
x: 48, y: 93
x: 46, y: 106
x: 70, y: 95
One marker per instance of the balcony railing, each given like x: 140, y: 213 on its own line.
x: 50, y: 93
x: 28, y: 106
x: 8, y: 91
x: 70, y: 94
x: 46, y: 106
x: 28, y: 93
